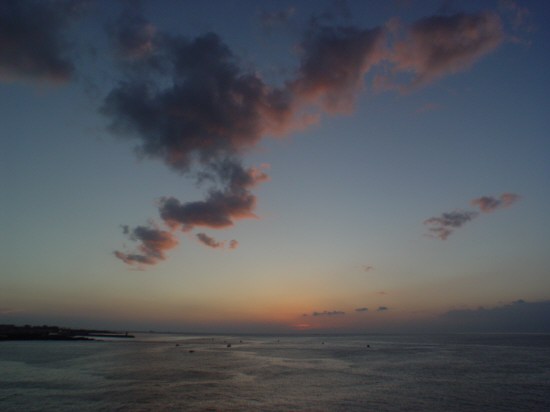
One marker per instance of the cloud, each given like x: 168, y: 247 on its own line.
x: 194, y: 105
x: 32, y: 41
x: 206, y: 109
x: 518, y: 316
x: 329, y: 313
x: 132, y: 35
x: 367, y: 268
x: 382, y: 309
x: 221, y: 208
x: 215, y: 244
x: 489, y: 204
x: 209, y: 241
x: 153, y: 244
x: 361, y: 309
x: 334, y: 62
x: 439, y: 45
x: 444, y: 225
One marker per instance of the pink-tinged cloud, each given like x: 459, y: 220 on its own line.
x: 209, y: 241
x: 442, y: 226
x: 216, y: 244
x: 194, y: 105
x: 439, y: 45
x: 334, y: 63
x: 221, y: 208
x: 489, y: 204
x: 153, y: 245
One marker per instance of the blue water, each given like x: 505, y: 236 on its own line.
x: 268, y: 373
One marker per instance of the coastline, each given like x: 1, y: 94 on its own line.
x: 46, y: 332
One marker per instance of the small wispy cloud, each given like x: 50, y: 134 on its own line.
x: 361, y: 309
x: 443, y: 226
x: 489, y: 204
x: 329, y: 313
x: 382, y: 309
x: 215, y: 244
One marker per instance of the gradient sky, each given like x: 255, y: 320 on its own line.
x: 276, y: 166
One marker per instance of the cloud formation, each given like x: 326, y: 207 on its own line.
x: 362, y: 309
x: 438, y: 45
x: 382, y: 309
x: 489, y: 204
x: 329, y: 313
x: 334, y: 63
x: 215, y: 244
x: 153, y: 244
x: 209, y: 241
x: 221, y: 208
x: 442, y: 226
x: 195, y: 106
x: 32, y: 41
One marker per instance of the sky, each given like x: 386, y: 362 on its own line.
x: 276, y: 166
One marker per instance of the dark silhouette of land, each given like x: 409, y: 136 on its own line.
x: 45, y: 332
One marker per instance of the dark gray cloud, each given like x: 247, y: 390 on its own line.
x: 518, y: 316
x: 153, y: 244
x: 33, y: 45
x: 382, y: 309
x: 439, y: 45
x: 207, y: 107
x: 361, y: 309
x: 329, y: 313
x: 489, y: 204
x: 132, y: 35
x: 444, y: 225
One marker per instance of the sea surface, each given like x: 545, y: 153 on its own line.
x: 169, y: 372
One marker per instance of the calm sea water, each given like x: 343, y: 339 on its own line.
x: 269, y: 373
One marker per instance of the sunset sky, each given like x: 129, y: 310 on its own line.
x: 276, y: 166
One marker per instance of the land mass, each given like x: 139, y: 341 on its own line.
x: 45, y: 332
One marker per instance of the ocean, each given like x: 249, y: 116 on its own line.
x: 169, y: 372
